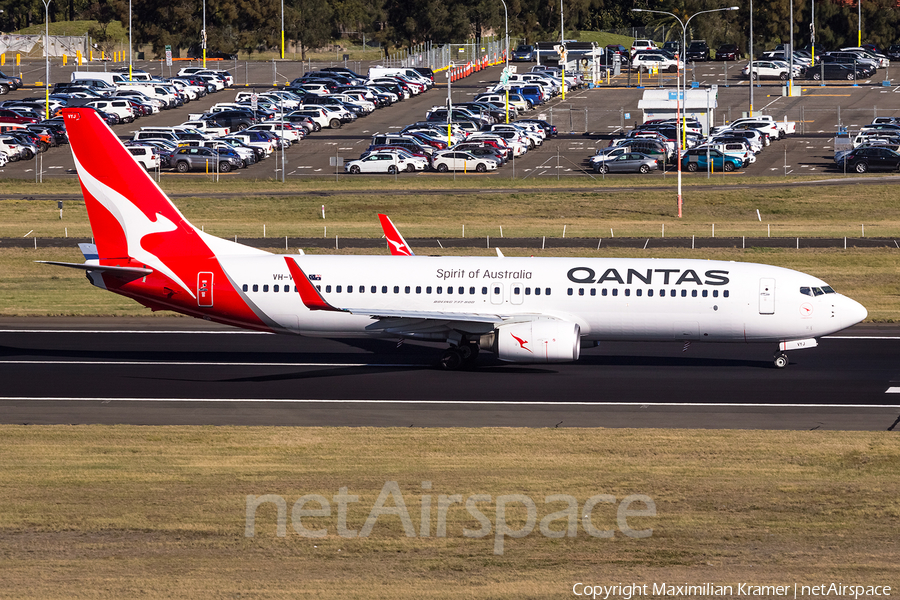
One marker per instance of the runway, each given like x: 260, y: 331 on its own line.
x: 188, y: 372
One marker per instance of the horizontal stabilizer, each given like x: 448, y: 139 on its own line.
x: 89, y: 251
x: 139, y: 271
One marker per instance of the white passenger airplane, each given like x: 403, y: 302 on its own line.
x: 524, y: 309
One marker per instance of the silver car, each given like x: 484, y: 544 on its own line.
x: 632, y: 162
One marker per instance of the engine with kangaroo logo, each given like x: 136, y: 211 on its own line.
x: 544, y: 340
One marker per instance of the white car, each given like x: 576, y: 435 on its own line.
x: 639, y: 45
x: 379, y: 162
x: 286, y: 131
x: 534, y: 139
x: 450, y: 160
x: 767, y: 69
x: 647, y: 61
x: 146, y: 156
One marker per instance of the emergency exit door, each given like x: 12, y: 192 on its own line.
x: 204, y: 289
x: 766, y: 296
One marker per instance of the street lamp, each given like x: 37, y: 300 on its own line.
x: 506, y: 53
x: 130, y: 45
x: 203, y: 34
x: 859, y: 21
x: 47, y: 57
x: 282, y: 29
x: 678, y: 92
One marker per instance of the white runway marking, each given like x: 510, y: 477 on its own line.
x: 229, y: 332
x: 642, y: 405
x: 191, y: 363
x: 892, y: 390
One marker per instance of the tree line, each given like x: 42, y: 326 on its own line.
x: 255, y: 25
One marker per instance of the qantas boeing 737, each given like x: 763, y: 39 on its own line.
x: 523, y: 309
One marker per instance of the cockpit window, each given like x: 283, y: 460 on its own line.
x: 828, y: 289
x: 805, y: 291
x: 817, y: 291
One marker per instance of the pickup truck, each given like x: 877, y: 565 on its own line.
x: 208, y: 127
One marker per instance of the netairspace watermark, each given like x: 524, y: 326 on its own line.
x: 391, y: 503
x: 629, y: 591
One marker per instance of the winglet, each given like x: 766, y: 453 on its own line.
x: 397, y: 244
x: 308, y: 292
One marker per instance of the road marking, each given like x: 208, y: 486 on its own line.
x: 860, y: 337
x: 153, y: 363
x: 448, y: 402
x: 131, y: 331
x: 892, y: 390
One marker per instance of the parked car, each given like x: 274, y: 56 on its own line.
x: 829, y: 70
x: 640, y: 45
x: 379, y: 162
x: 189, y: 159
x: 701, y: 159
x: 728, y: 52
x: 866, y: 159
x: 765, y: 69
x: 524, y: 53
x: 451, y: 160
x: 647, y: 61
x: 146, y: 156
x: 697, y: 50
x: 627, y: 162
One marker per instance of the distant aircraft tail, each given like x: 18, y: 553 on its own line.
x: 396, y: 243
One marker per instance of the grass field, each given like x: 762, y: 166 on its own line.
x: 157, y: 512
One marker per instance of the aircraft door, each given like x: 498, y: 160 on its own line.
x: 496, y: 293
x: 204, y: 289
x: 767, y: 296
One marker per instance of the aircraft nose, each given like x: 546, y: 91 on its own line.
x: 852, y: 312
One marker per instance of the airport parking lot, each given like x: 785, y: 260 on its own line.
x: 587, y: 120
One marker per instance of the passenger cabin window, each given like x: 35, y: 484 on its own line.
x: 245, y: 287
x: 396, y: 289
x: 275, y: 288
x: 327, y: 289
x: 265, y: 288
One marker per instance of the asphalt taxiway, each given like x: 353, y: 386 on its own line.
x: 182, y: 371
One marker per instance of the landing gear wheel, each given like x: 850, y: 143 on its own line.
x: 451, y: 359
x: 781, y: 360
x: 469, y: 354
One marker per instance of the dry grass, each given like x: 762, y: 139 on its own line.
x: 830, y: 211
x: 112, y: 512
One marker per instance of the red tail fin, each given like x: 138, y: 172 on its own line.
x: 131, y: 218
x: 397, y: 244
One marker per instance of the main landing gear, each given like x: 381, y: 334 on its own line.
x: 781, y: 360
x: 458, y: 357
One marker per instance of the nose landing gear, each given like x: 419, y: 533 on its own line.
x: 781, y: 360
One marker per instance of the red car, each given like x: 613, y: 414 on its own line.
x: 11, y: 116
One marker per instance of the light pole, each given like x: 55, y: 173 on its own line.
x: 680, y: 121
x: 750, y: 66
x: 812, y: 34
x: 203, y: 34
x: 130, y: 45
x: 506, y: 53
x: 47, y: 57
x: 282, y: 29
x: 859, y: 21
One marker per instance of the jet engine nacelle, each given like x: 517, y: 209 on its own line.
x: 541, y: 341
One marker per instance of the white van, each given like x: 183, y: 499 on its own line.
x: 110, y: 78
